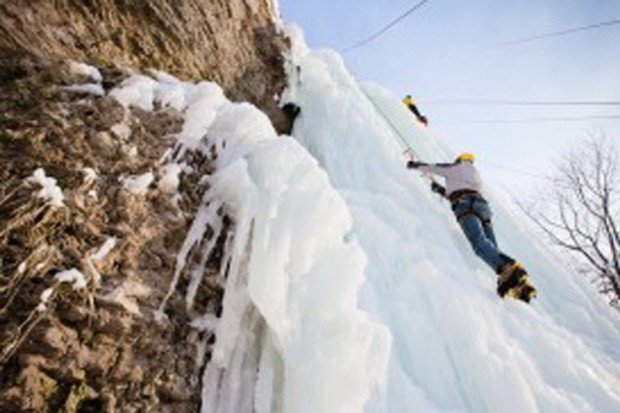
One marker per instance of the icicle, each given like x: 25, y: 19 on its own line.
x: 205, y: 215
x: 198, y: 272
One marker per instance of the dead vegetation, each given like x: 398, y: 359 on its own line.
x: 88, y: 349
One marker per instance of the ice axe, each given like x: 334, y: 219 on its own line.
x: 410, y: 155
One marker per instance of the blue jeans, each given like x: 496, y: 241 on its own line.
x: 474, y: 216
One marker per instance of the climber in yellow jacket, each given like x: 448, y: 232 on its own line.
x: 410, y: 103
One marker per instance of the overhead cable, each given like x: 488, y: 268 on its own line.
x: 557, y: 33
x: 517, y: 171
x: 499, y: 102
x: 532, y: 120
x: 385, y: 28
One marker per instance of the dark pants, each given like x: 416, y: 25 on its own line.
x: 474, y: 217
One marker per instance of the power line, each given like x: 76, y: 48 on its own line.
x: 385, y: 28
x: 555, y: 181
x: 556, y: 33
x: 516, y: 171
x: 499, y: 102
x: 532, y: 120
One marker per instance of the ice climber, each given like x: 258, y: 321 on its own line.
x: 473, y: 214
x: 409, y: 102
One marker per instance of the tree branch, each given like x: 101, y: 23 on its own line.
x: 582, y: 221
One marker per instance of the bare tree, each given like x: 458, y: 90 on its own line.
x: 581, y: 212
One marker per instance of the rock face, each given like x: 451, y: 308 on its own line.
x: 101, y: 347
x: 231, y: 42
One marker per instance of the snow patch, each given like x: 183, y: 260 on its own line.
x: 126, y: 296
x: 121, y: 130
x: 72, y: 276
x: 50, y: 191
x: 136, y: 90
x: 46, y: 294
x: 86, y: 70
x: 94, y: 89
x: 275, y: 10
x: 203, y: 102
x: 131, y: 150
x: 137, y: 184
x: 90, y: 175
x: 170, y: 92
x: 169, y: 181
x: 44, y: 298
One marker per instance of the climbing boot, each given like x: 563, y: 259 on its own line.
x: 511, y: 276
x: 525, y: 292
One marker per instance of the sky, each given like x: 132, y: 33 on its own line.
x: 446, y: 50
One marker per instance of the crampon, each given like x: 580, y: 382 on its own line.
x: 514, y: 283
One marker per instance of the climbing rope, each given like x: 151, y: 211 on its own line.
x: 414, y: 156
x: 448, y: 352
x: 387, y: 119
x: 409, y: 149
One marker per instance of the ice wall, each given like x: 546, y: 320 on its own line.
x: 291, y: 336
x: 291, y: 306
x: 456, y: 345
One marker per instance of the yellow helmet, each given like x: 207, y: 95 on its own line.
x: 465, y: 157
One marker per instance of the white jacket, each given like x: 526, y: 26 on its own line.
x: 459, y: 176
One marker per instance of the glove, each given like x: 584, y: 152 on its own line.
x: 423, y: 120
x: 435, y: 187
x: 414, y: 164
